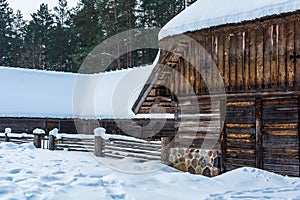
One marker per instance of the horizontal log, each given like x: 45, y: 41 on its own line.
x: 281, y: 120
x: 285, y: 167
x: 281, y: 161
x: 240, y: 131
x: 241, y: 156
x: 241, y: 151
x: 281, y: 126
x: 282, y: 150
x: 240, y: 142
x: 280, y: 155
x: 240, y: 136
x: 249, y: 145
x: 240, y: 125
x: 241, y: 103
x: 241, y: 162
x: 281, y: 133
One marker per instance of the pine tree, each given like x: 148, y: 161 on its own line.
x: 86, y: 27
x: 38, y: 38
x: 59, y: 38
x: 18, y: 39
x: 6, y: 20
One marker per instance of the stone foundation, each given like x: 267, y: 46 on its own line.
x: 196, y: 161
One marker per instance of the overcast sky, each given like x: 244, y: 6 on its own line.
x: 30, y: 6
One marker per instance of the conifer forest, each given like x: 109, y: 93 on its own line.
x: 59, y: 39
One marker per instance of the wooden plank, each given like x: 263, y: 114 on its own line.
x: 252, y: 57
x: 282, y: 76
x: 260, y: 58
x: 182, y: 77
x: 187, y: 67
x: 197, y: 69
x: 258, y: 148
x: 177, y: 79
x: 202, y: 65
x: 275, y: 57
x: 240, y: 67
x: 290, y: 50
x: 192, y: 75
x: 268, y: 51
x: 214, y: 63
x: 220, y: 57
x: 227, y: 42
x: 246, y: 40
x: 208, y: 62
x: 233, y: 63
x: 297, y: 50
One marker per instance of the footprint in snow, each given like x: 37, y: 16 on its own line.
x: 14, y: 171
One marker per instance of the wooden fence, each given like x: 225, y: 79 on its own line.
x: 22, y: 138
x: 72, y: 142
x: 116, y: 146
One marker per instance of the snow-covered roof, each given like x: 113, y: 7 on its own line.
x: 33, y: 93
x: 208, y: 13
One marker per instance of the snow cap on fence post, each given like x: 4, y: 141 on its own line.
x: 38, y: 131
x: 7, y: 131
x: 99, y: 131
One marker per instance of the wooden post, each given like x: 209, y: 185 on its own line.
x: 258, y: 149
x: 37, y: 140
x: 6, y: 138
x: 166, y: 143
x: 38, y: 135
x: 51, y: 142
x: 99, y: 146
x: 223, y: 137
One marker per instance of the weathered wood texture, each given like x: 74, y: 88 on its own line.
x: 260, y: 129
x: 144, y: 151
x: 260, y: 55
x: 263, y: 132
x: 197, y: 123
x: 73, y: 144
x: 256, y: 56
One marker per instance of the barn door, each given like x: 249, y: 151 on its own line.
x: 280, y: 136
x: 262, y: 133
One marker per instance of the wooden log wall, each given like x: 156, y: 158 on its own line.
x: 261, y: 55
x: 197, y: 123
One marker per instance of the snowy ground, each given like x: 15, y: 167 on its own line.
x: 29, y: 173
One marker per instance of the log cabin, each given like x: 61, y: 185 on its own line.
x: 229, y: 71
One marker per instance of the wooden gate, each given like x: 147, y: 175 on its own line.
x: 263, y: 133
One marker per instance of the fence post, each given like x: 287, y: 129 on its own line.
x: 52, y: 135
x: 6, y: 137
x: 166, y: 143
x: 51, y: 142
x: 38, y: 134
x: 98, y: 146
x: 99, y: 143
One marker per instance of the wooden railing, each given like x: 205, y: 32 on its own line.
x: 118, y: 146
x: 37, y: 137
